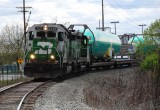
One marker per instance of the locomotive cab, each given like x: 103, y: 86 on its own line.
x: 41, y: 43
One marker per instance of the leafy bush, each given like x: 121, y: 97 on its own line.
x: 150, y: 62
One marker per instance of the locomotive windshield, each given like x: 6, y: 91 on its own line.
x: 46, y: 34
x: 31, y: 35
x: 41, y: 34
x: 45, y: 31
x: 51, y: 34
x: 60, y: 36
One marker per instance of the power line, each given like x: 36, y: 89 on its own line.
x: 136, y: 5
x: 124, y: 10
x: 131, y: 21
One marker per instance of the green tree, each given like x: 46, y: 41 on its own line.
x: 11, y: 42
x: 151, y: 46
x: 150, y: 51
x: 152, y: 37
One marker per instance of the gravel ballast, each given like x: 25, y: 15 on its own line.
x: 66, y: 95
x: 70, y: 94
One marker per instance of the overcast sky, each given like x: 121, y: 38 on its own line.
x: 129, y: 13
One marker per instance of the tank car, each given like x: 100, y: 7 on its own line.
x: 52, y: 50
x: 103, y: 45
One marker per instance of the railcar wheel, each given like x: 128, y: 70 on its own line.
x: 67, y: 69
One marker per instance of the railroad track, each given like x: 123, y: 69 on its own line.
x: 22, y: 96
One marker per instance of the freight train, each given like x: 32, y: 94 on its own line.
x: 52, y: 50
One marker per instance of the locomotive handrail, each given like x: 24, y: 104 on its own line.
x: 59, y: 56
x: 26, y: 54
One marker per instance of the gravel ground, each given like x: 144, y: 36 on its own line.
x: 69, y: 95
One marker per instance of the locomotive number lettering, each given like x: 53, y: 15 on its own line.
x: 44, y: 45
x: 52, y: 28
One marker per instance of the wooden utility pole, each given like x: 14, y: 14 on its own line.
x: 142, y: 27
x: 99, y: 23
x: 102, y: 28
x: 24, y: 18
x: 102, y: 17
x: 23, y: 10
x: 24, y: 21
x: 115, y: 25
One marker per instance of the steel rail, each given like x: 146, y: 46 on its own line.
x: 24, y: 97
x: 20, y: 106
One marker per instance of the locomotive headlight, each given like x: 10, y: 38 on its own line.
x: 32, y: 56
x: 52, y: 57
x: 45, y: 28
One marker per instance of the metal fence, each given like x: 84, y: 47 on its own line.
x: 8, y: 69
x: 9, y: 72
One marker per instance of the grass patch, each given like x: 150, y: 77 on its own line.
x: 12, y: 81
